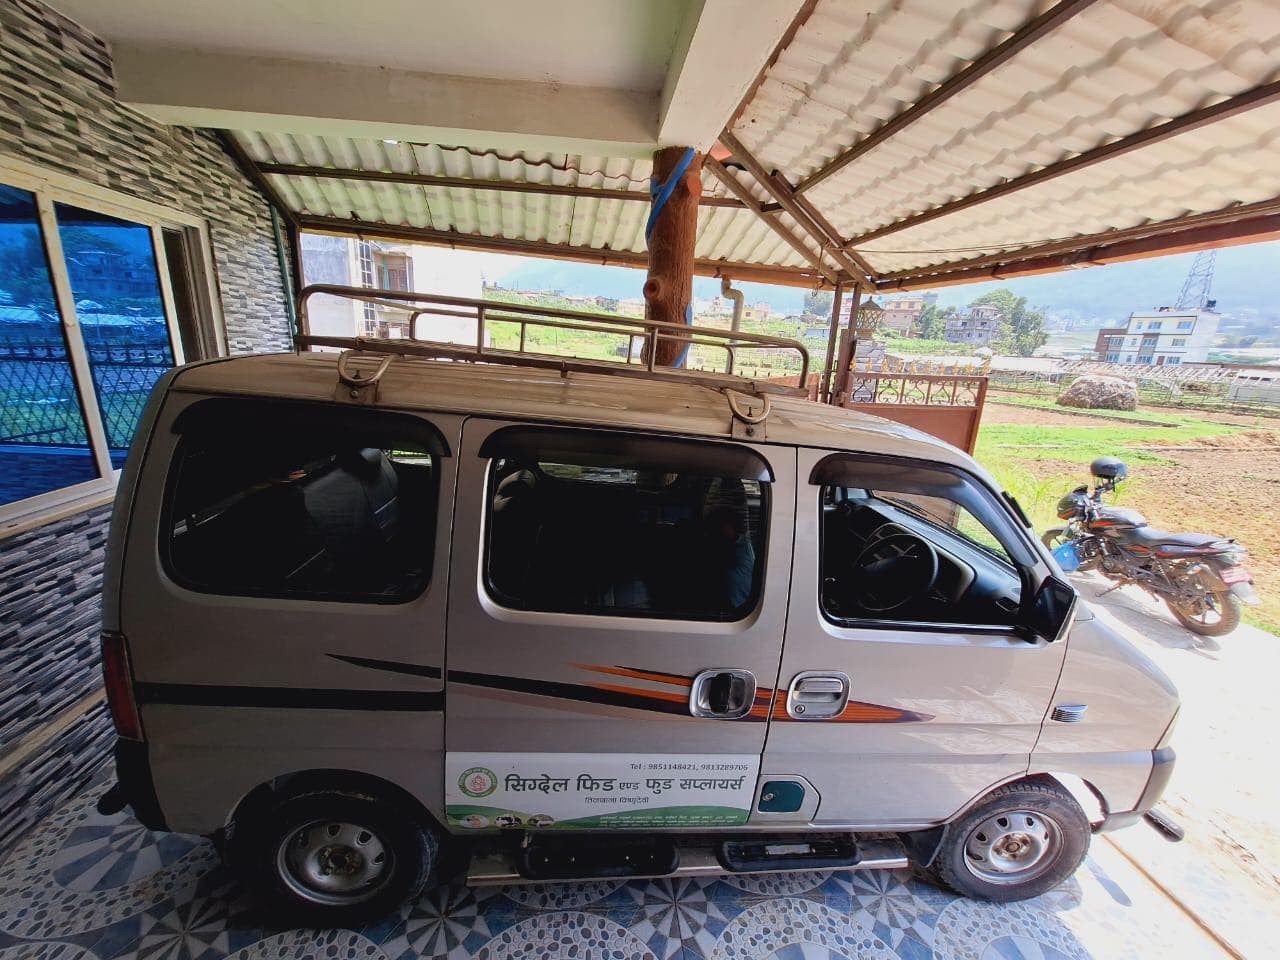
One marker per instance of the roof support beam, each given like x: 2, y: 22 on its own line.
x: 783, y: 195
x: 1257, y: 97
x: 703, y: 267
x: 1252, y: 223
x: 470, y: 183
x: 1016, y: 42
x: 717, y: 55
x: 742, y: 193
x: 234, y: 91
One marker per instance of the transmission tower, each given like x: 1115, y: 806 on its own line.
x: 1195, y: 289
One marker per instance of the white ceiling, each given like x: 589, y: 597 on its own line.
x: 622, y: 44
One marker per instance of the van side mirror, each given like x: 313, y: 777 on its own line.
x: 1052, y: 609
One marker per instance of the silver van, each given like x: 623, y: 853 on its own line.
x: 377, y: 616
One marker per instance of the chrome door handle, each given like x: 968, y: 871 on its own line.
x: 817, y: 695
x: 722, y: 693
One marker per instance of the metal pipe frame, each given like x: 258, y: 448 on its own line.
x: 1242, y: 224
x: 470, y: 183
x: 742, y: 193
x: 782, y: 193
x: 1232, y: 106
x: 652, y: 331
x: 703, y: 267
x: 1015, y: 43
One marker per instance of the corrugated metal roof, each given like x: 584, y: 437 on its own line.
x: 724, y: 233
x: 1111, y: 69
x: 1117, y: 67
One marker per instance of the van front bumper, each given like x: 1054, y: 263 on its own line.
x: 134, y: 785
x: 1162, y: 761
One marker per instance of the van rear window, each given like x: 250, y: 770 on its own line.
x: 624, y: 533
x: 307, y: 501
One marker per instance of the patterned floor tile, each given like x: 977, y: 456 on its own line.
x: 86, y: 887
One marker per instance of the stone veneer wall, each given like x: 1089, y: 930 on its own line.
x: 57, y: 110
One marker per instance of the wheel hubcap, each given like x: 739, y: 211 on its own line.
x: 333, y: 862
x: 1011, y: 847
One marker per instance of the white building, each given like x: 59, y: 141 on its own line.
x: 389, y: 266
x: 1164, y: 337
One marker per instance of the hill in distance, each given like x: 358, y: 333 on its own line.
x: 1246, y: 285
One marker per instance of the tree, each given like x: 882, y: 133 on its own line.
x: 1022, y: 330
x: 932, y: 324
x: 818, y: 302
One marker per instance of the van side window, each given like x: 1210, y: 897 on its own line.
x: 641, y: 527
x: 308, y: 501
x: 915, y: 543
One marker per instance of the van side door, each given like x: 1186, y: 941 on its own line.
x: 615, y: 616
x: 910, y: 683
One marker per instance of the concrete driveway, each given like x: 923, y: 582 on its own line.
x: 1226, y: 785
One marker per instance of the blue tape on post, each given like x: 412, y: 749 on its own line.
x: 661, y: 193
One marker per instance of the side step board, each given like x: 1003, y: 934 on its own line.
x: 495, y: 867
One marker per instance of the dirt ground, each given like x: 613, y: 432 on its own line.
x: 1228, y: 485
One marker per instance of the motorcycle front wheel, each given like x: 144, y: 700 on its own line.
x: 1215, y: 616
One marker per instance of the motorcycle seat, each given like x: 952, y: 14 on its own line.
x: 1151, y: 537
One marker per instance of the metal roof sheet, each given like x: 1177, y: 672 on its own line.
x: 1102, y: 73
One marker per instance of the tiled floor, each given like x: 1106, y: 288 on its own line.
x: 82, y: 886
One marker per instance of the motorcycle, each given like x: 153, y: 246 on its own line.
x: 1201, y: 577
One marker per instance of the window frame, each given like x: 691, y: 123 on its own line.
x: 577, y: 441
x: 1009, y: 525
x: 50, y: 188
x: 430, y: 434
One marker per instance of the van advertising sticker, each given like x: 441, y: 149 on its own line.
x: 583, y: 790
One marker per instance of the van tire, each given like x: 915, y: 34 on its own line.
x: 1035, y: 819
x: 287, y: 850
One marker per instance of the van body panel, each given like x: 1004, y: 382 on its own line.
x: 1130, y: 705
x: 957, y: 712
x: 239, y: 664
x: 205, y: 760
x: 541, y: 688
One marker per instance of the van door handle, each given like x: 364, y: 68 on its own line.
x: 817, y: 695
x: 723, y: 693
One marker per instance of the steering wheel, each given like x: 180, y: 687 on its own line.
x: 892, y: 570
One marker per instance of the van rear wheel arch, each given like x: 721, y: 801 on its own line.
x: 333, y: 845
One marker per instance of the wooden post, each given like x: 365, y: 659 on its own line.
x: 848, y: 346
x: 673, y: 228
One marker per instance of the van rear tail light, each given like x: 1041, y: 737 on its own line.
x: 118, y: 679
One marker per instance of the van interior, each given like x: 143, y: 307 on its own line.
x: 598, y: 538
x: 301, y: 514
x: 912, y: 558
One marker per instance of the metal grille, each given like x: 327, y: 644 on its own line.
x: 42, y: 407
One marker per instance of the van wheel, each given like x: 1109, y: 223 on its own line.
x: 336, y: 857
x: 1021, y: 841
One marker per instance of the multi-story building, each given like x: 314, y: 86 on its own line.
x: 1164, y: 337
x: 387, y: 266
x: 979, y: 326
x: 901, y: 314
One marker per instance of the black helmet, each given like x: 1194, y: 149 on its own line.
x: 1073, y: 504
x: 1109, y: 468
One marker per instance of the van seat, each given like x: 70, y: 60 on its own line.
x: 354, y: 502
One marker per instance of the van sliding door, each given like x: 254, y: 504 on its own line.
x: 616, y: 609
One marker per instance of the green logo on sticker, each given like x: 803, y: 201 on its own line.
x: 478, y: 782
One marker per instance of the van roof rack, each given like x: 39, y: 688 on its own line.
x: 640, y: 335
